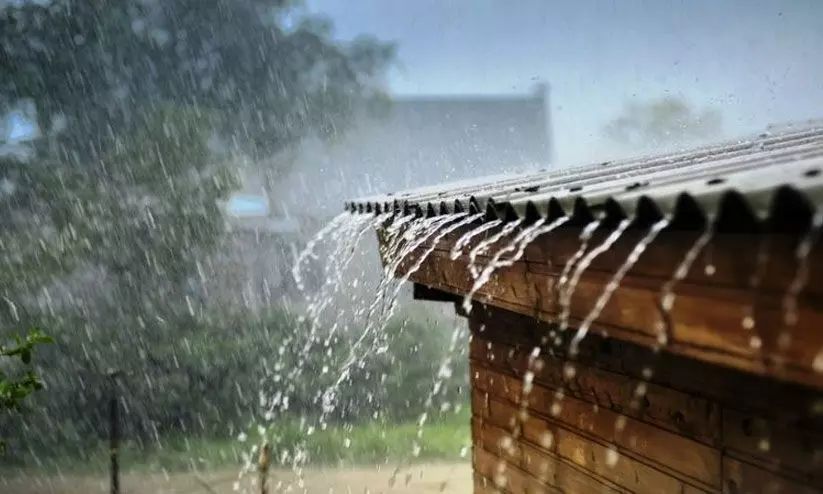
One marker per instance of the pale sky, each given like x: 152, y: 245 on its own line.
x: 757, y: 61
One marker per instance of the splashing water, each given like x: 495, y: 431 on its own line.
x: 667, y: 295
x: 309, y: 250
x: 416, y: 235
x: 519, y: 244
x: 444, y: 372
x: 345, y: 244
x: 614, y: 283
x: 345, y: 233
x: 465, y: 239
x: 565, y: 302
x: 486, y: 244
x: 430, y: 227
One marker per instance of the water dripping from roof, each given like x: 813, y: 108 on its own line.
x: 748, y: 322
x: 465, y: 239
x: 585, y: 237
x: 336, y: 223
x: 565, y: 302
x: 418, y: 233
x: 518, y: 245
x: 334, y: 268
x: 420, y: 230
x: 487, y: 243
x: 798, y: 283
x: 667, y: 294
x: 614, y: 283
x: 464, y: 218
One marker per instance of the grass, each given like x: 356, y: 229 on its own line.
x: 444, y: 439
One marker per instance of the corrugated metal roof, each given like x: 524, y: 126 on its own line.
x: 759, y: 177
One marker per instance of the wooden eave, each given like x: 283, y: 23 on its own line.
x: 706, y: 321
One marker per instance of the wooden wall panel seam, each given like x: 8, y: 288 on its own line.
x: 661, y: 467
x: 558, y: 456
x: 576, y: 468
x: 710, y: 437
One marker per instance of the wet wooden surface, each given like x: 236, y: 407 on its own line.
x: 730, y: 309
x: 595, y: 422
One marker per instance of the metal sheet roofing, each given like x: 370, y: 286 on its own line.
x: 766, y: 176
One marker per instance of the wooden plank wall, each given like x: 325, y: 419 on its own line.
x: 708, y: 319
x: 620, y: 418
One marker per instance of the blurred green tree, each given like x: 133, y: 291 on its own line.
x: 138, y: 105
x: 663, y: 122
x: 130, y: 98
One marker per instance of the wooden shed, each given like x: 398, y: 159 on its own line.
x: 653, y: 325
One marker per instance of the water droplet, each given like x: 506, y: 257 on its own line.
x: 817, y: 363
x: 547, y: 439
x: 620, y: 423
x: 710, y: 270
x: 464, y: 451
x: 748, y: 323
x: 764, y: 445
x: 612, y: 457
x: 569, y: 371
x: 557, y: 408
x: 756, y: 342
x: 242, y: 437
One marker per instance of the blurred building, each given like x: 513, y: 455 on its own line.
x: 414, y: 141
x: 419, y: 141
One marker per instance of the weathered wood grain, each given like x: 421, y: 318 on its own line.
x: 679, y: 439
x: 713, y: 308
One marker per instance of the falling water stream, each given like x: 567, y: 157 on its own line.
x: 463, y: 241
x: 748, y: 321
x: 614, y: 283
x: 667, y: 294
x: 333, y: 225
x: 483, y: 246
x: 518, y: 244
x: 801, y: 278
x: 405, y: 236
x: 585, y: 262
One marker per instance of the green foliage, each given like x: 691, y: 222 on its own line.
x: 128, y: 182
x: 205, y: 376
x: 14, y: 390
x: 103, y: 64
x: 129, y: 186
x: 664, y: 121
x: 444, y: 438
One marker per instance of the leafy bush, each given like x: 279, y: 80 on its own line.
x: 14, y: 390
